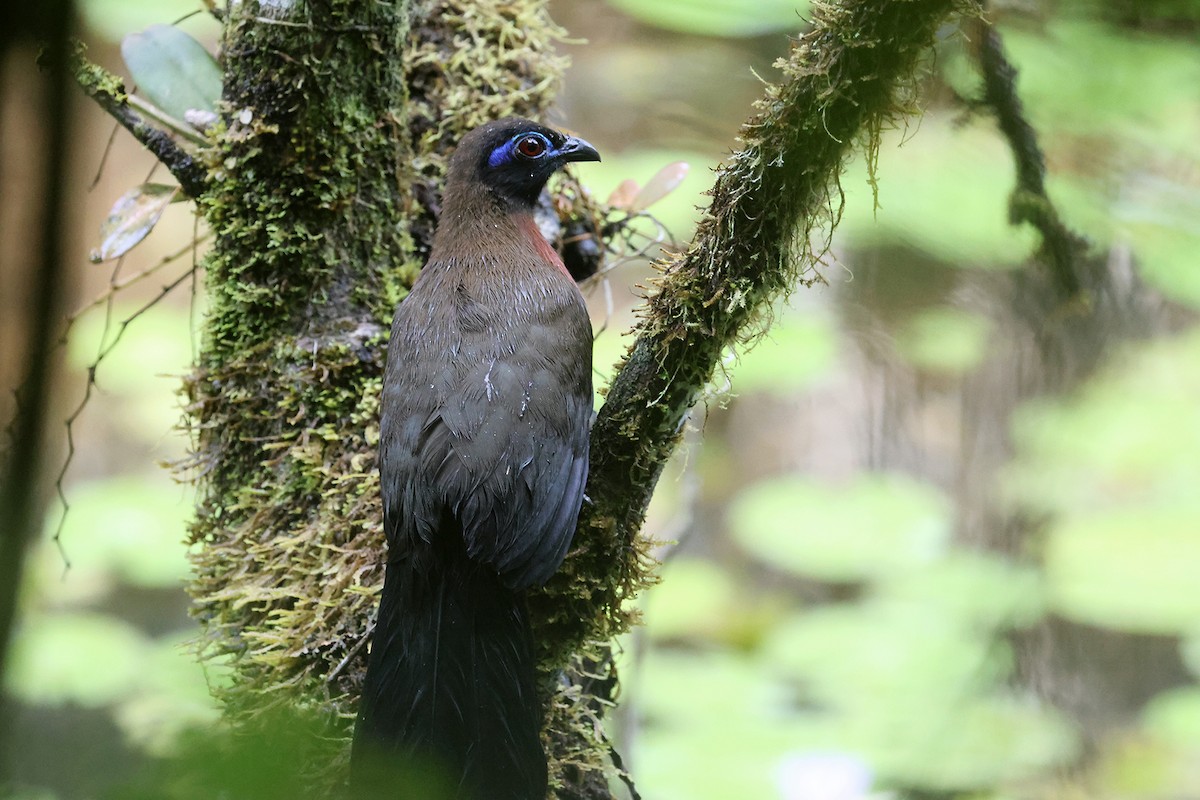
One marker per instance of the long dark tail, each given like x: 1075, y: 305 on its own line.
x: 450, y: 689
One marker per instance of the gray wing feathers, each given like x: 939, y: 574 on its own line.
x: 494, y: 454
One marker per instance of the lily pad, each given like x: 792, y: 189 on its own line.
x: 920, y: 697
x: 726, y: 18
x: 974, y: 588
x: 86, y: 658
x: 1132, y: 570
x: 1174, y: 717
x: 873, y: 527
x: 974, y: 745
x: 880, y: 658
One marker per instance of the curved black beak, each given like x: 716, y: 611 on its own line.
x: 574, y: 149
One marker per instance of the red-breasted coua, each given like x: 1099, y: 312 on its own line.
x: 486, y: 405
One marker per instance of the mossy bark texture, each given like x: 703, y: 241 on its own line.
x: 339, y: 115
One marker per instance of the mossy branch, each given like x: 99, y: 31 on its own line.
x: 109, y: 92
x: 1063, y: 248
x: 845, y: 80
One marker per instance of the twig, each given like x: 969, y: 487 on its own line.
x: 158, y: 115
x: 109, y: 92
x: 1029, y: 202
x: 117, y: 286
x: 112, y: 137
x: 105, y: 349
x: 354, y: 651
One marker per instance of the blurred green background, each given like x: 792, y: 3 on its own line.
x: 910, y: 547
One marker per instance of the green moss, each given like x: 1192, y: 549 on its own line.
x: 94, y: 79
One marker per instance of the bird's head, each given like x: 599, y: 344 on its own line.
x: 514, y: 157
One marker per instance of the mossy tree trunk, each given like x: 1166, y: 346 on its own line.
x: 321, y: 189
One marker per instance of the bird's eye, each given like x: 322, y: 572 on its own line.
x: 531, y: 146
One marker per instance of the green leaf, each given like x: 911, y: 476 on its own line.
x: 173, y: 695
x: 1159, y: 216
x: 258, y: 760
x: 977, y: 590
x: 1083, y: 77
x: 131, y: 526
x: 731, y: 685
x: 1136, y: 768
x: 132, y: 217
x: 720, y: 758
x: 876, y: 526
x: 173, y: 70
x: 925, y: 201
x: 712, y: 707
x: 727, y: 18
x: 113, y: 19
x: 917, y: 695
x: 1116, y: 465
x: 1129, y: 437
x: 796, y: 351
x: 1174, y: 717
x: 881, y: 658
x: 1133, y: 570
x: 696, y: 598
x: 90, y: 659
x: 141, y: 375
x: 974, y: 745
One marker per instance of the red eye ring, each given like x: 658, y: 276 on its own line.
x: 531, y: 146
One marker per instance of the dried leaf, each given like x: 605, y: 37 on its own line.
x: 662, y: 184
x: 622, y: 196
x: 131, y: 218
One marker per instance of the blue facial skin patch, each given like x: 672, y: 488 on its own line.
x: 500, y: 155
x: 506, y: 152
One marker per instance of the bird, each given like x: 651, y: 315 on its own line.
x: 486, y: 404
